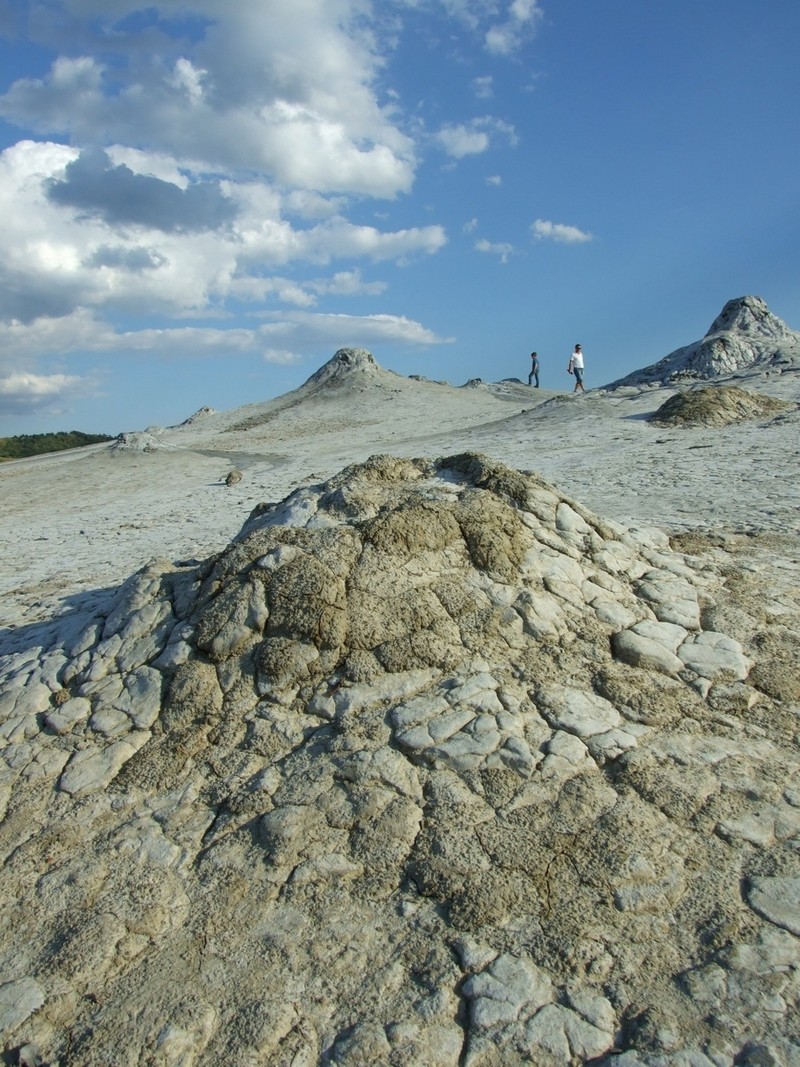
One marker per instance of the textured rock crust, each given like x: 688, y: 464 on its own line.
x: 432, y: 766
x: 717, y: 405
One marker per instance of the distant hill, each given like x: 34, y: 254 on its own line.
x: 744, y: 338
x: 36, y: 444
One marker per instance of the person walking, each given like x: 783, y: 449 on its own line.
x: 575, y: 366
x: 534, y: 374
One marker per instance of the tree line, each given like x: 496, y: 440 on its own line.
x: 36, y: 444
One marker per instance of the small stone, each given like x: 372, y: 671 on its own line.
x: 109, y: 722
x: 33, y: 699
x: 612, y: 613
x: 757, y: 1054
x: 18, y: 1001
x: 564, y: 1034
x: 777, y: 899
x: 365, y: 1044
x: 640, y: 651
x: 499, y: 994
x: 92, y: 768
x: 474, y: 955
x: 713, y: 655
x: 578, y: 712
x: 68, y: 715
x: 569, y: 521
x: 758, y: 829
x: 29, y: 1056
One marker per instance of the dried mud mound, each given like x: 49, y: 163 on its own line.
x: 717, y: 405
x: 431, y: 767
x: 745, y: 336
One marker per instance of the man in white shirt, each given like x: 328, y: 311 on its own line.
x: 575, y: 366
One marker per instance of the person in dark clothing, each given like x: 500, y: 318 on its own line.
x: 534, y: 374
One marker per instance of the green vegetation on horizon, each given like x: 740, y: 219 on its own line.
x: 36, y: 444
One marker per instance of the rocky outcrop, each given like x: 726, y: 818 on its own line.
x: 717, y: 405
x: 346, y: 367
x: 431, y: 766
x: 199, y: 415
x: 138, y: 441
x: 744, y: 336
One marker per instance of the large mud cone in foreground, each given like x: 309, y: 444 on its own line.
x: 430, y: 766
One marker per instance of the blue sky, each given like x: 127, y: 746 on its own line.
x: 201, y: 208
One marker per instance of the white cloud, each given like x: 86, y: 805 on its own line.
x: 34, y: 385
x: 306, y: 204
x: 27, y: 394
x: 459, y: 141
x: 64, y: 266
x: 285, y: 290
x: 495, y: 248
x: 82, y: 231
x: 348, y: 283
x: 494, y: 179
x: 286, y: 336
x: 524, y: 10
x: 184, y: 175
x: 556, y: 231
x: 506, y: 37
x: 483, y: 87
x: 281, y: 356
x: 475, y: 137
x: 307, y: 329
x: 470, y: 226
x: 283, y: 89
x: 189, y: 79
x: 338, y: 238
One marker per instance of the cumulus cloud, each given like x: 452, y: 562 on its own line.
x: 473, y: 138
x: 273, y: 288
x: 126, y: 259
x: 288, y: 94
x: 507, y: 36
x: 308, y: 329
x: 200, y: 159
x: 556, y: 231
x: 118, y: 196
x: 90, y: 245
x: 459, y: 141
x: 292, y: 331
x: 348, y: 283
x: 495, y: 248
x: 305, y: 294
x: 28, y: 394
x: 338, y: 238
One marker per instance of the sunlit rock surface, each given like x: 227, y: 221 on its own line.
x: 431, y: 765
